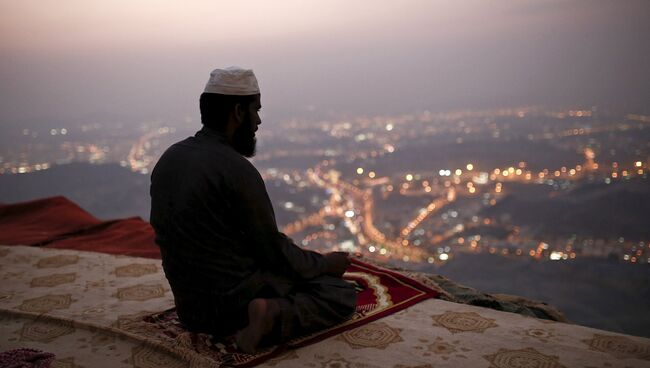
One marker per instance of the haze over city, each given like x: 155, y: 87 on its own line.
x: 149, y: 59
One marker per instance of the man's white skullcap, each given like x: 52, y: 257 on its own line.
x: 232, y: 81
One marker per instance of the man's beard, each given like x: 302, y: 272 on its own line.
x: 244, y: 140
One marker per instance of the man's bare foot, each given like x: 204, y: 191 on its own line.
x: 261, y: 318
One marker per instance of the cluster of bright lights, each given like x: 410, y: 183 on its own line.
x: 374, y: 241
x: 421, y: 216
x: 62, y: 131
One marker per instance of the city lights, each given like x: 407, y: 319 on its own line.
x: 408, y: 213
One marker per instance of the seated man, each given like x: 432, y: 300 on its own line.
x: 229, y: 267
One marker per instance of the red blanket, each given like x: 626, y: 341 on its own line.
x: 59, y: 223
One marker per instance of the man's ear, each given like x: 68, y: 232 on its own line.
x: 239, y: 113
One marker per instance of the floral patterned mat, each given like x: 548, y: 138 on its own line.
x: 84, y: 306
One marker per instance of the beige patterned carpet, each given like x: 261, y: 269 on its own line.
x: 75, y: 304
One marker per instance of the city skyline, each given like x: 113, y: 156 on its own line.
x: 368, y: 194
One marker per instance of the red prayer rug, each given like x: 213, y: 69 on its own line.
x: 381, y: 292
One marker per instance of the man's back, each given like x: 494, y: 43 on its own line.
x: 194, y: 213
x: 229, y: 267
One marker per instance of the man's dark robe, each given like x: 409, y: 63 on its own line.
x: 221, y: 247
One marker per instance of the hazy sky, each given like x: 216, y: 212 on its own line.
x: 72, y: 59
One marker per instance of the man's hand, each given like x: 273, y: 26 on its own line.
x: 337, y: 263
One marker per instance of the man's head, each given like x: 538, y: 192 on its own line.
x: 230, y: 104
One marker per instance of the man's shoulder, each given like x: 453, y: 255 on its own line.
x: 208, y: 156
x: 195, y: 147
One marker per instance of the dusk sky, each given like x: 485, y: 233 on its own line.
x: 76, y: 59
